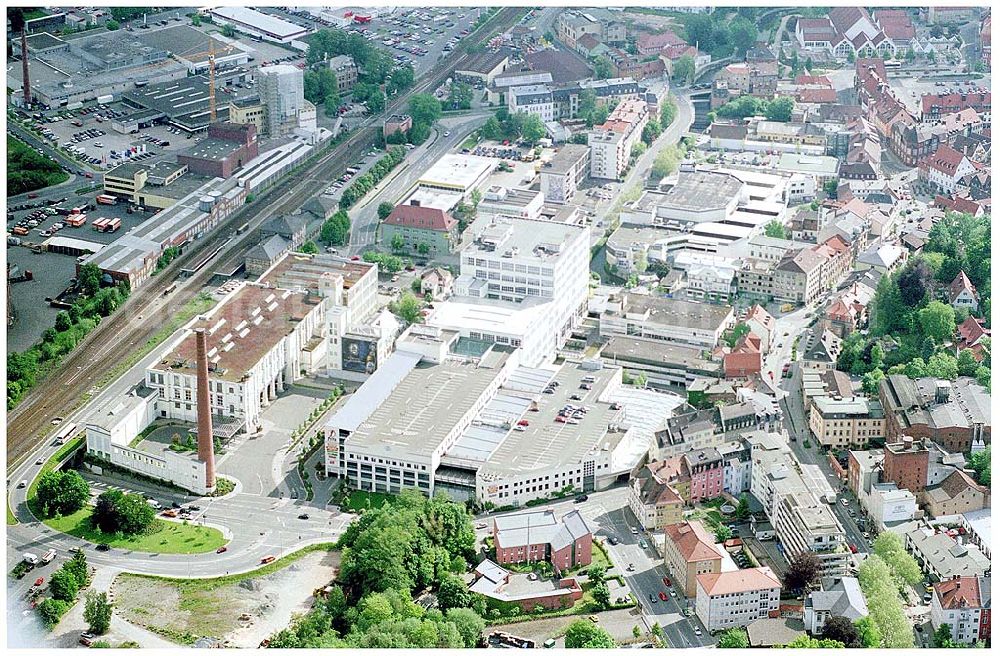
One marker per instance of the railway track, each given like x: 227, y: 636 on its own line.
x: 147, y: 309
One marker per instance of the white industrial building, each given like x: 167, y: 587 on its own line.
x: 457, y: 174
x: 500, y: 201
x: 255, y: 23
x: 536, y: 269
x: 114, y: 425
x: 665, y: 320
x: 561, y: 176
x: 358, y: 335
x: 260, y: 340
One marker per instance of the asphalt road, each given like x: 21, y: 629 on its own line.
x: 364, y: 217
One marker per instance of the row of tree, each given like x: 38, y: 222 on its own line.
x: 64, y: 586
x: 71, y: 326
x: 880, y: 585
x: 367, y: 181
x: 386, y: 263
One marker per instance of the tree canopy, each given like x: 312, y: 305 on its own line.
x: 803, y: 571
x: 61, y: 492
x: 406, y: 546
x: 734, y: 639
x: 584, y: 634
x: 117, y: 512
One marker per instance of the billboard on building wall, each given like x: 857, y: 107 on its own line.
x: 360, y: 355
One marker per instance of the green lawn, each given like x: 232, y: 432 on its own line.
x: 169, y: 537
x: 360, y: 500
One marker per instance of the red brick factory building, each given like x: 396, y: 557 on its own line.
x: 226, y: 149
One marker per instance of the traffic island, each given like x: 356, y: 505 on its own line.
x: 164, y: 537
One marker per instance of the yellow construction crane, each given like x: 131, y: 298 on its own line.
x: 211, y: 75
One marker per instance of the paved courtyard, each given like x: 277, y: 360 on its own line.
x: 259, y: 461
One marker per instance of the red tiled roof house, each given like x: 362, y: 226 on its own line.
x: 420, y: 230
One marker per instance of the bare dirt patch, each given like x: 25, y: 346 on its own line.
x: 185, y: 611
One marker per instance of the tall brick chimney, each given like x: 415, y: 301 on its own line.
x: 24, y: 67
x: 206, y: 450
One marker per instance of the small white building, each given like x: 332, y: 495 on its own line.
x: 734, y: 599
x: 888, y: 505
x: 836, y: 598
x: 112, y: 429
x: 500, y: 201
x: 532, y: 99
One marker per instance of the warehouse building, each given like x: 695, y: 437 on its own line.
x: 258, y: 24
x: 183, y: 103
x: 132, y: 257
x: 226, y: 149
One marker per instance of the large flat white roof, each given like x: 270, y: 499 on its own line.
x: 360, y: 405
x: 457, y: 171
x: 486, y: 316
x: 261, y: 22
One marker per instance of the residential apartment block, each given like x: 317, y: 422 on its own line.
x: 611, y: 142
x: 964, y: 604
x: 840, y: 422
x: 734, y: 599
x: 689, y: 551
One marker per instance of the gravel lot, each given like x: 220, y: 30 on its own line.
x: 270, y: 601
x: 618, y: 623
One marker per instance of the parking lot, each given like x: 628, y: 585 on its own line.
x: 33, y: 314
x: 52, y: 271
x: 87, y: 136
x: 259, y: 461
x: 418, y: 37
x: 910, y: 89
